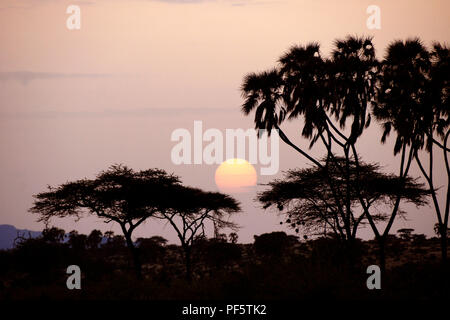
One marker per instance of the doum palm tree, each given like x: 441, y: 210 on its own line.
x: 328, y: 95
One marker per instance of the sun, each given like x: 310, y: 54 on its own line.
x: 235, y: 176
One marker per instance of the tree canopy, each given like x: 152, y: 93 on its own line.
x: 117, y: 194
x: 130, y: 197
x: 191, y: 209
x: 305, y: 199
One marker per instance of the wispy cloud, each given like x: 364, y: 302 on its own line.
x: 25, y: 77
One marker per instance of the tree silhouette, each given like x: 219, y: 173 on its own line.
x: 332, y: 97
x: 189, y: 212
x: 437, y: 230
x: 407, y: 92
x: 405, y: 233
x: 413, y: 102
x: 435, y: 131
x: 115, y: 243
x: 118, y: 194
x: 77, y: 241
x: 151, y: 249
x: 317, y: 90
x: 304, y: 197
x: 43, y: 256
x: 94, y: 239
x: 272, y: 245
x: 53, y: 235
x: 233, y: 237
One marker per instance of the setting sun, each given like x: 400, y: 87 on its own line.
x: 235, y: 176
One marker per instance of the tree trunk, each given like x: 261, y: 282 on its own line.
x: 350, y: 248
x: 443, y: 234
x: 382, y: 254
x: 188, y: 262
x: 444, y: 273
x: 135, y: 254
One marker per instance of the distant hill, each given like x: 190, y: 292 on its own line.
x: 8, y: 233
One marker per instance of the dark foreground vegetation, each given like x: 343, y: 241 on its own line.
x: 332, y: 98
x: 275, y: 267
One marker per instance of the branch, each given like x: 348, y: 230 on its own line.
x: 447, y: 165
x: 335, y: 129
x: 303, y: 153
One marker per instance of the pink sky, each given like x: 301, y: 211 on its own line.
x: 114, y: 91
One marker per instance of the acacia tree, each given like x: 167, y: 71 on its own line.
x: 190, y: 211
x: 304, y: 198
x: 118, y: 194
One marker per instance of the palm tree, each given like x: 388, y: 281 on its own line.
x: 263, y: 93
x: 414, y: 102
x: 400, y: 107
x: 434, y: 126
x: 307, y: 86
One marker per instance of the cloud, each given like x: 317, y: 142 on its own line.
x: 26, y: 77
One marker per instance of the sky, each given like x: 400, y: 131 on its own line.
x: 73, y: 102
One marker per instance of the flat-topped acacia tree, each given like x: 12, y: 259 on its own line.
x: 191, y: 210
x: 304, y: 197
x: 118, y: 194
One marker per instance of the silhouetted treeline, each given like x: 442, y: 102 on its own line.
x: 334, y: 99
x: 275, y: 266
